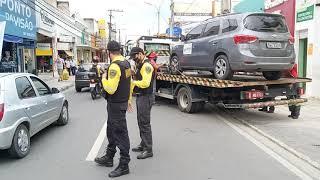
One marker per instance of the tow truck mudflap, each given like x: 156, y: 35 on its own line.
x: 265, y: 104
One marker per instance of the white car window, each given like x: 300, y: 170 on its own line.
x: 41, y: 87
x: 24, y: 88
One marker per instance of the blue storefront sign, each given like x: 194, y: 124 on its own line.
x: 20, y: 18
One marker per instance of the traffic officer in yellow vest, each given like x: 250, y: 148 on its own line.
x: 117, y: 86
x: 143, y: 87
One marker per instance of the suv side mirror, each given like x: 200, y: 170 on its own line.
x: 183, y: 38
x: 55, y: 91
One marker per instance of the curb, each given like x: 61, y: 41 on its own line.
x: 281, y: 144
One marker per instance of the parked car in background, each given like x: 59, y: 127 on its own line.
x: 27, y: 105
x: 82, y: 78
x: 247, y: 42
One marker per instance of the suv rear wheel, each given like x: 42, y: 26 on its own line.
x: 174, y: 65
x: 272, y: 75
x: 222, y: 68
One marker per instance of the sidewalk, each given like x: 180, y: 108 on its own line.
x: 53, y: 81
x: 303, y: 134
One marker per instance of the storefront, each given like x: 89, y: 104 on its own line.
x: 308, y: 43
x: 45, y: 38
x: 18, y: 51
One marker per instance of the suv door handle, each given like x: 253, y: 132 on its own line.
x: 45, y: 102
x: 28, y: 108
x: 214, y: 43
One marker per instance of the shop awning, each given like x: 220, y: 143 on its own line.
x: 69, y: 53
x: 13, y: 39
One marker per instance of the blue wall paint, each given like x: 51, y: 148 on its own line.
x: 249, y: 6
x: 20, y: 18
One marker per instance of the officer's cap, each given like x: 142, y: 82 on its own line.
x: 136, y: 50
x: 113, y: 46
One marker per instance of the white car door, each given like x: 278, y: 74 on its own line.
x: 52, y: 103
x: 30, y: 102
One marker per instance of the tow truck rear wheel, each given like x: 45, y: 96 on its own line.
x: 184, y: 100
x: 174, y: 65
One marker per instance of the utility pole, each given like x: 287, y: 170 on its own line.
x: 110, y: 20
x: 119, y: 36
x: 172, y: 18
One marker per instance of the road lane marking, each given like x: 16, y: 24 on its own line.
x: 268, y: 151
x: 97, y: 144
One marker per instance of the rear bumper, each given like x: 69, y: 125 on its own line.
x: 82, y: 83
x: 265, y: 104
x: 260, y: 66
x: 6, y: 135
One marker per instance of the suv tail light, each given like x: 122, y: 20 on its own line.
x: 244, y: 39
x: 1, y: 111
x: 291, y: 40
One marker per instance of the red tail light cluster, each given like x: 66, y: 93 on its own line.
x: 244, y: 39
x: 291, y: 40
x: 1, y: 111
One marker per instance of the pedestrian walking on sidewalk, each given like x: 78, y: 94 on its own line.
x: 68, y: 65
x: 116, y: 84
x: 73, y: 65
x: 143, y: 88
x: 60, y: 64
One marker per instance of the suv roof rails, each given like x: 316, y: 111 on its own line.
x: 223, y: 15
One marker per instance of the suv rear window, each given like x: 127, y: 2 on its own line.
x: 266, y: 23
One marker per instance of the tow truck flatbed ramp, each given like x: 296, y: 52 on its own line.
x: 239, y: 81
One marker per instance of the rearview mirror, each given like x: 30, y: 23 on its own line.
x: 55, y: 91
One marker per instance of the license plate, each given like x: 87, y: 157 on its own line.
x: 92, y: 85
x: 274, y: 45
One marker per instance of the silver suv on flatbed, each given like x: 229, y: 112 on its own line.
x: 247, y: 42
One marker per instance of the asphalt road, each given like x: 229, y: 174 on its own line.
x: 186, y: 146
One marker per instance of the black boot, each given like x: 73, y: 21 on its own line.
x: 121, y: 170
x: 145, y: 155
x: 139, y: 148
x: 104, y: 160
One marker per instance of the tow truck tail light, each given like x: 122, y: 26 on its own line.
x: 300, y: 91
x: 92, y: 80
x: 252, y: 94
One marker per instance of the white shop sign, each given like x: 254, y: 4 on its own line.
x: 63, y: 46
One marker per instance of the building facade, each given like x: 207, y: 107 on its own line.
x: 18, y: 51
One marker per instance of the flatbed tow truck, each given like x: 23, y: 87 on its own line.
x: 192, y: 91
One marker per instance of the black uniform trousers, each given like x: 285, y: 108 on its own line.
x: 117, y: 131
x: 144, y: 104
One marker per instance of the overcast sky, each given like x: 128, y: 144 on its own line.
x: 138, y: 18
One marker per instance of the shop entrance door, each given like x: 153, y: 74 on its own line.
x: 20, y: 55
x: 302, y: 61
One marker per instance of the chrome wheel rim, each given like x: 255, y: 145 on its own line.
x: 174, y: 65
x: 184, y: 101
x: 23, y: 140
x: 65, y: 113
x: 221, y: 67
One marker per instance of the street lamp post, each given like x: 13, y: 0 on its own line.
x: 158, y: 14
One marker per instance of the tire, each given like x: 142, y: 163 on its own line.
x: 64, y: 115
x: 20, y: 147
x: 174, y: 65
x: 93, y: 93
x: 272, y: 75
x: 185, y: 104
x: 78, y: 89
x: 222, y: 68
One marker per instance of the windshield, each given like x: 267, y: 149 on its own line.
x: 266, y: 23
x: 85, y: 67
x: 160, y: 49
